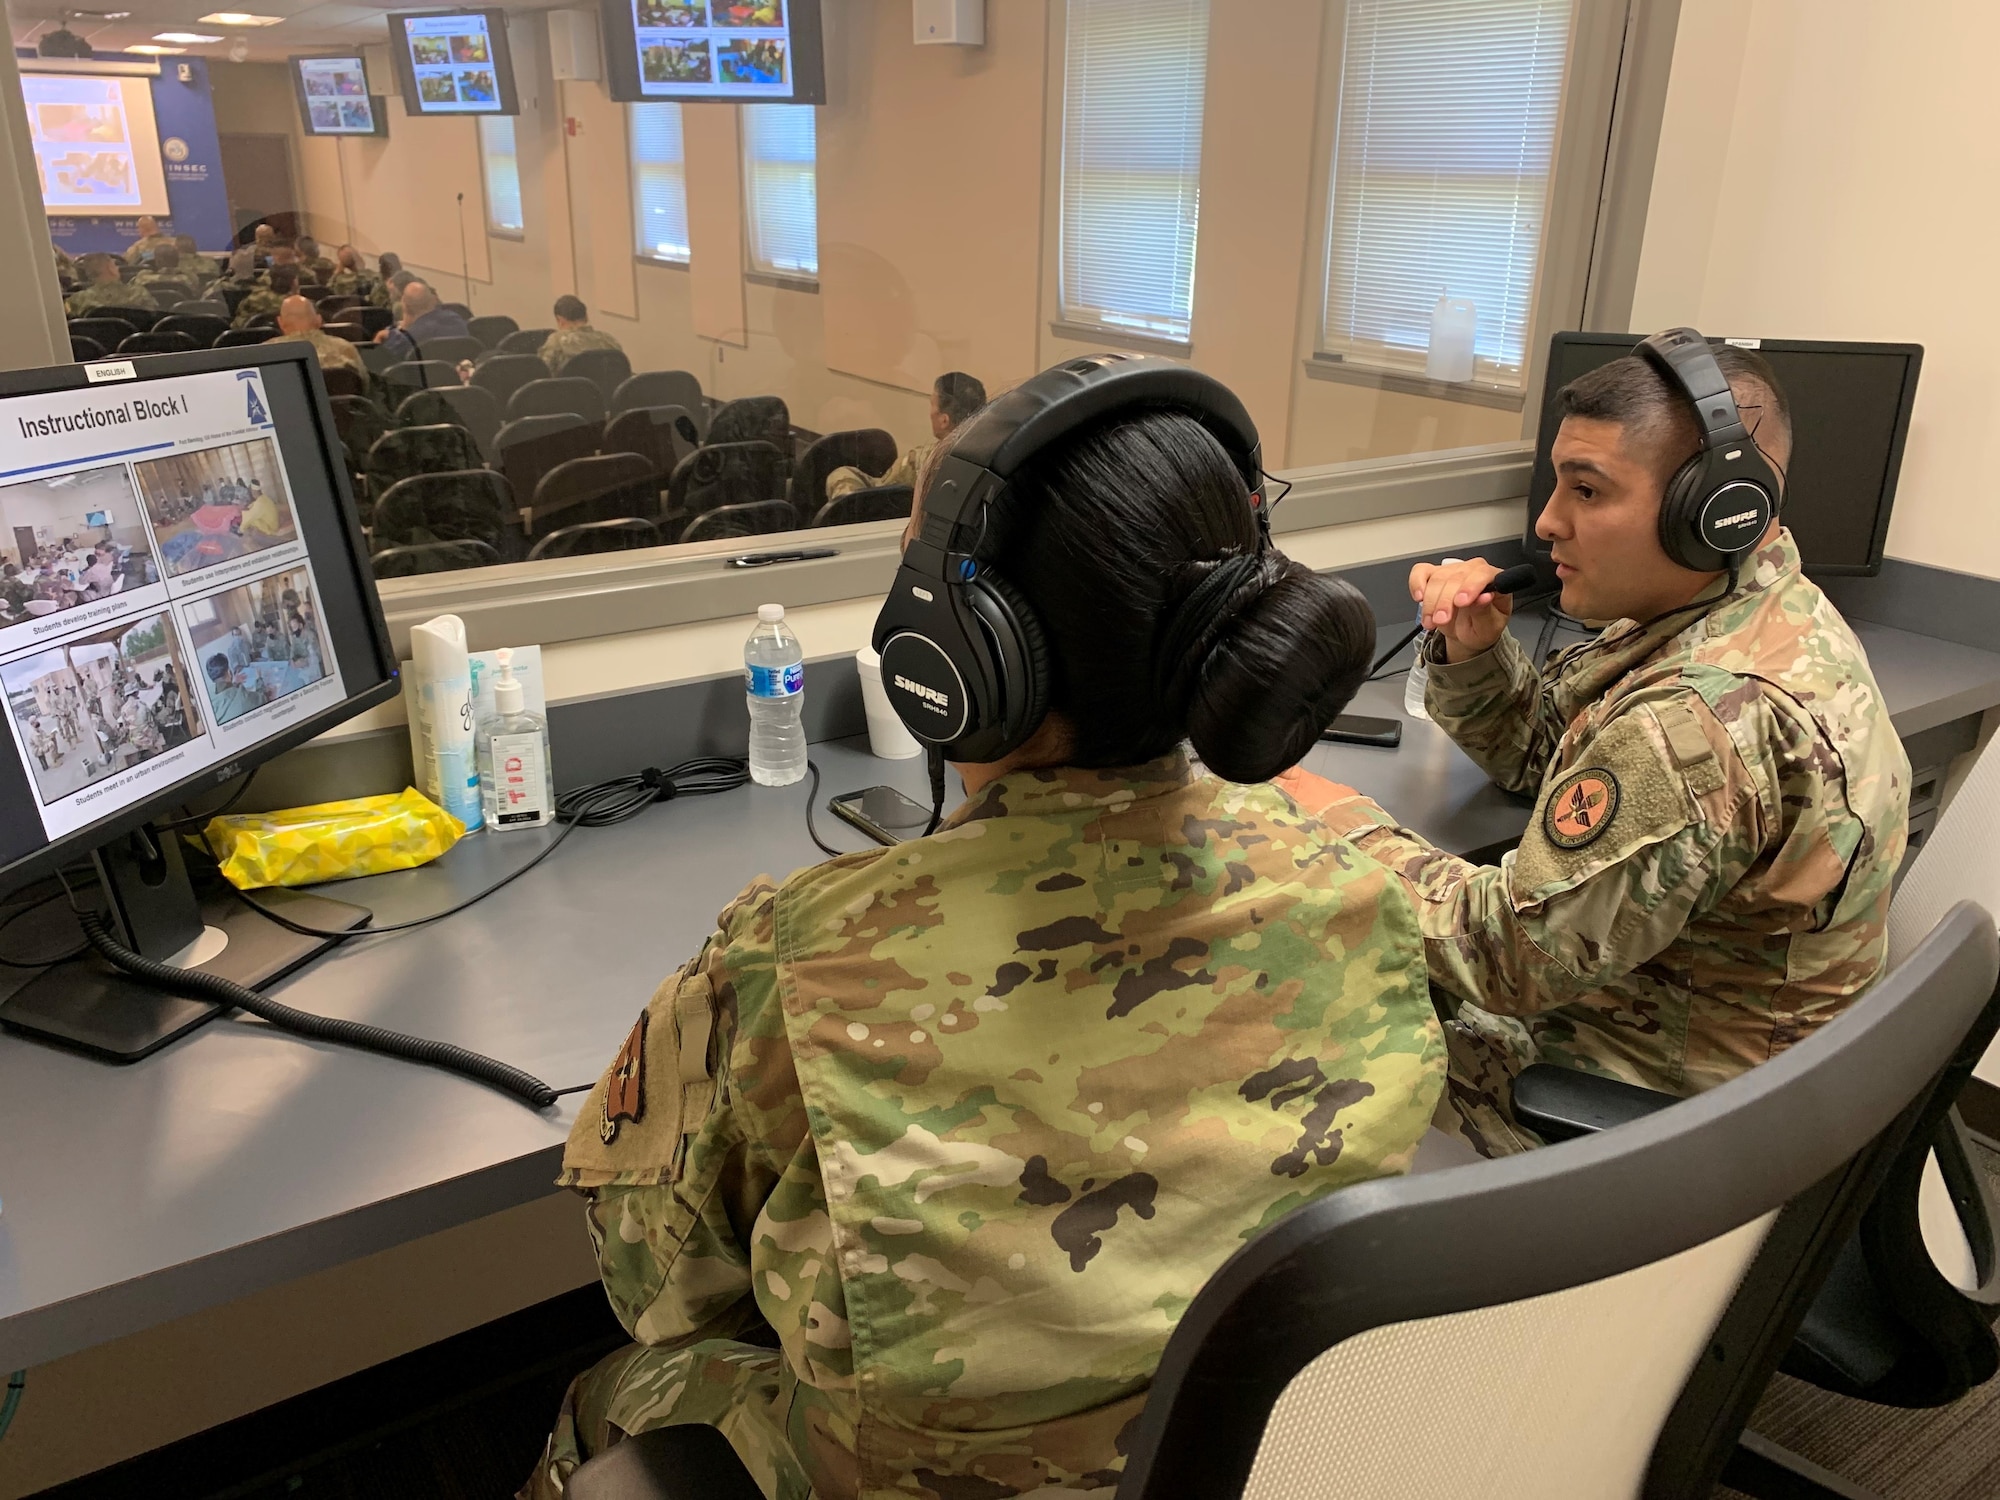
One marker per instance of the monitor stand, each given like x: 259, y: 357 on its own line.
x: 89, y: 1005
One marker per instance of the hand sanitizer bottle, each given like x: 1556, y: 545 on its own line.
x: 516, y: 783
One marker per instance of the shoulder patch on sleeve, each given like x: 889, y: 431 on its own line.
x: 1624, y: 793
x: 1581, y: 807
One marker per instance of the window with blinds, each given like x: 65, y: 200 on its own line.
x: 1441, y: 162
x: 659, y: 183
x: 503, y: 174
x: 781, y: 189
x: 1134, y: 73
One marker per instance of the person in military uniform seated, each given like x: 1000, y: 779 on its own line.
x: 268, y: 295
x: 195, y: 267
x: 313, y: 265
x: 351, y: 276
x: 102, y: 286
x: 150, y: 240
x: 573, y: 334
x: 166, y: 266
x: 1721, y: 800
x: 955, y: 396
x: 299, y: 322
x: 904, y: 1180
x: 65, y: 265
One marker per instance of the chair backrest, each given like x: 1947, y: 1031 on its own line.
x: 460, y: 308
x: 490, y: 328
x: 401, y: 452
x: 360, y: 422
x: 527, y: 448
x: 243, y: 338
x: 342, y: 380
x: 451, y: 350
x: 652, y: 433
x: 354, y: 333
x: 371, y: 317
x: 313, y: 292
x: 1960, y: 861
x: 554, y: 394
x: 602, y: 487
x: 869, y: 449
x: 108, y: 332
x: 753, y: 419
x: 409, y: 560
x: 141, y: 318
x: 203, y: 328
x: 420, y: 374
x: 203, y: 307
x: 476, y: 411
x: 82, y: 348
x: 525, y: 341
x: 262, y: 320
x: 504, y: 374
x: 662, y: 388
x: 1587, y: 1279
x: 156, y: 343
x: 746, y: 518
x: 725, y: 474
x: 624, y: 534
x: 466, y: 505
x: 338, y: 303
x: 885, y: 502
x: 607, y: 369
x: 231, y: 295
x: 426, y: 409
x: 376, y: 359
x: 166, y: 293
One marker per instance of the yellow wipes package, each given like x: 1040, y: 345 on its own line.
x: 331, y: 841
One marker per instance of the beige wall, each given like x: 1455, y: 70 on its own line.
x: 1826, y: 171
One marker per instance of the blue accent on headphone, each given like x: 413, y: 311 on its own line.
x: 966, y: 569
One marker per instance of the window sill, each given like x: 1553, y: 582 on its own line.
x: 1472, y: 393
x: 1121, y: 338
x: 778, y: 279
x: 665, y: 263
x: 516, y: 235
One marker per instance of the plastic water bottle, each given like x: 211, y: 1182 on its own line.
x: 774, y: 678
x: 1419, y: 679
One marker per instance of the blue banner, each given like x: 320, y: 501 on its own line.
x: 191, y: 157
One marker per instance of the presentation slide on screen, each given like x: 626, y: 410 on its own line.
x: 336, y: 95
x: 96, y: 146
x: 714, y: 49
x: 452, y: 57
x: 158, y: 612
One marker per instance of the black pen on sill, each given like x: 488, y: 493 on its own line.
x: 765, y: 559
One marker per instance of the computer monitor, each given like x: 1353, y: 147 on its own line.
x: 1850, y: 407
x: 184, y: 594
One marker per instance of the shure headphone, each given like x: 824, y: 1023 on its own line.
x: 963, y: 657
x: 1720, y: 503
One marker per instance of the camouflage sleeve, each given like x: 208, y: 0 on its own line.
x: 1658, y: 819
x: 907, y: 466
x: 666, y: 1151
x: 1497, y: 710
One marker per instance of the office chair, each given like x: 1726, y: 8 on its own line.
x: 603, y: 487
x: 431, y: 557
x: 450, y: 350
x: 745, y: 518
x: 663, y: 388
x: 491, y: 328
x: 434, y: 448
x: 243, y: 338
x: 203, y: 328
x: 156, y: 343
x: 887, y: 502
x: 1567, y: 1324
x: 553, y: 394
x: 82, y: 348
x: 869, y: 449
x: 652, y: 432
x: 527, y: 448
x: 525, y: 341
x: 607, y: 369
x: 721, y: 474
x: 625, y: 534
x: 473, y: 505
x: 504, y: 374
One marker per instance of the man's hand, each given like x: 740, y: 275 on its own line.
x: 1456, y: 603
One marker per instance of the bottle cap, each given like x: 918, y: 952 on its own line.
x: 770, y: 614
x: 509, y: 698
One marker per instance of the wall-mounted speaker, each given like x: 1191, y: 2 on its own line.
x: 573, y: 55
x: 951, y: 23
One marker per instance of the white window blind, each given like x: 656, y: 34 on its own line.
x: 781, y: 188
x: 503, y: 174
x: 1134, y: 74
x: 1441, y: 162
x: 659, y: 182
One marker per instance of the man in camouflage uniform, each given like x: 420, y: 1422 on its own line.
x: 196, y: 267
x: 268, y: 296
x: 102, y: 286
x: 299, y: 322
x: 1721, y: 800
x: 351, y: 276
x: 166, y: 266
x: 573, y: 335
x: 313, y: 266
x: 905, y: 1180
x: 150, y: 240
x: 955, y: 396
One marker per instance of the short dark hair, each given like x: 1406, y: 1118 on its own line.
x: 166, y: 257
x: 959, y: 395
x: 1632, y: 392
x: 1107, y: 535
x: 218, y: 667
x: 571, y: 309
x: 92, y: 264
x: 284, y: 279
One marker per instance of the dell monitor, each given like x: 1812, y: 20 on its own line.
x: 733, y: 51
x: 184, y: 594
x: 1850, y: 416
x: 334, y: 99
x: 454, y: 62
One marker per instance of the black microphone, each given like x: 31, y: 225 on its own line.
x: 1512, y: 580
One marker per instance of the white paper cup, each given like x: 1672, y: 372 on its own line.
x: 888, y: 738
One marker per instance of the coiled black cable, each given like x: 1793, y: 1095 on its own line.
x: 622, y: 797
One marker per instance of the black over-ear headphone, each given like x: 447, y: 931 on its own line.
x: 962, y: 650
x: 1720, y: 503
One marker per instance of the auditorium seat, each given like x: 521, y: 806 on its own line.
x: 465, y: 505
x: 465, y: 406
x: 626, y: 534
x: 203, y: 328
x: 603, y: 487
x: 401, y: 452
x: 451, y: 350
x: 491, y: 328
x: 81, y: 348
x: 354, y: 333
x: 554, y: 394
x: 888, y: 502
x: 205, y: 306
x: 156, y: 343
x: 725, y: 474
x: 166, y: 293
x: 431, y: 557
x: 869, y: 449
x: 528, y: 447
x: 504, y: 374
x: 243, y: 338
x: 343, y: 381
x: 108, y: 333
x: 525, y: 341
x: 663, y: 388
x: 749, y: 518
x: 607, y: 369
x: 420, y: 374
x: 653, y: 433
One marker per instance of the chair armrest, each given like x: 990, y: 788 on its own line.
x: 691, y: 1462
x: 1560, y: 1104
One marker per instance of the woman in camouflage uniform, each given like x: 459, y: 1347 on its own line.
x: 904, y: 1181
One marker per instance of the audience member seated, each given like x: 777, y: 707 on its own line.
x: 573, y: 335
x: 102, y: 287
x: 196, y: 267
x: 284, y: 256
x: 299, y: 323
x: 423, y: 318
x: 954, y: 397
x: 351, y: 276
x: 150, y: 239
x: 165, y: 266
x: 65, y: 265
x: 261, y: 243
x: 388, y: 266
x: 314, y: 264
x: 278, y: 283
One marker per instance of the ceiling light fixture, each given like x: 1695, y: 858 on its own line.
x: 197, y: 38
x: 237, y: 18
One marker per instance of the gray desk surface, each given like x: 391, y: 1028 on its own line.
x: 240, y: 1158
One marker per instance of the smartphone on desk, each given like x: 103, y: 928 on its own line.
x: 883, y: 813
x: 1360, y: 729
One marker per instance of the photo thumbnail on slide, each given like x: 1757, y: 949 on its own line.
x: 766, y: 16
x: 257, y: 643
x: 216, y: 504
x: 759, y: 61
x: 68, y: 541
x: 100, y: 704
x: 656, y: 16
x: 677, y: 62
